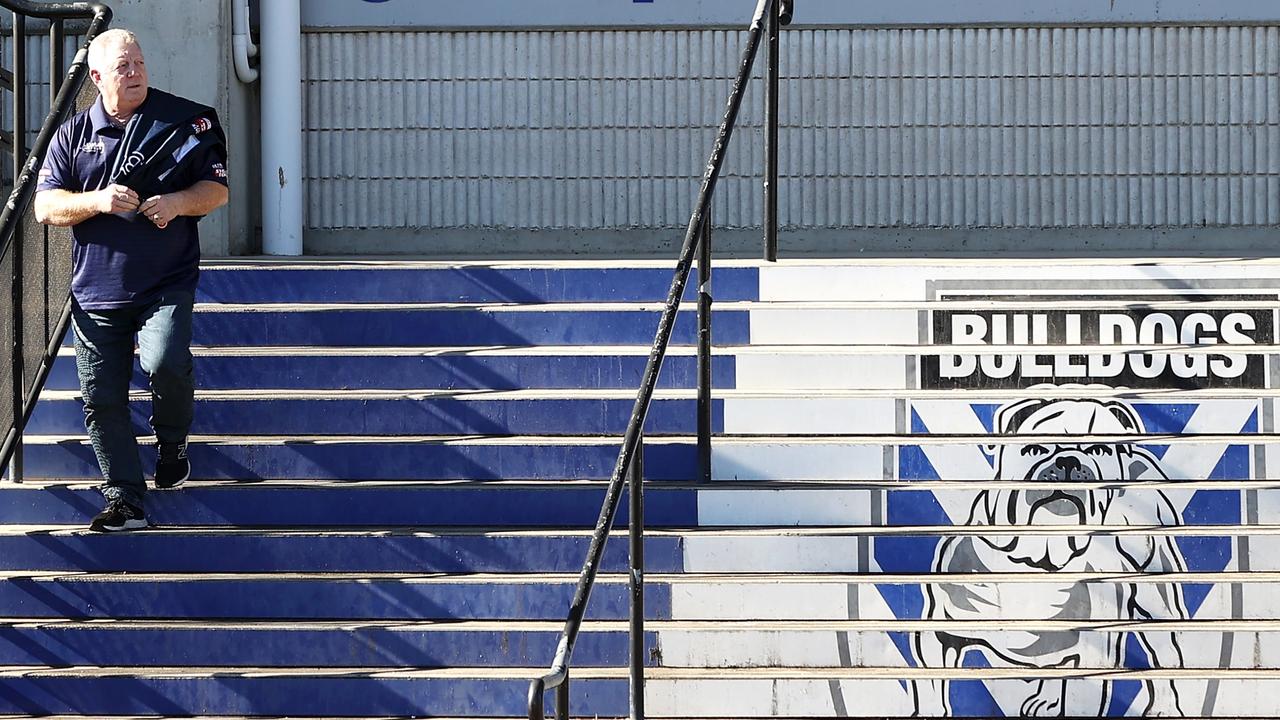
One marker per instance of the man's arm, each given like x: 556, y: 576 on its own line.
x: 64, y: 208
x: 201, y: 198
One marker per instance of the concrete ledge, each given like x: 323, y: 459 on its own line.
x: 506, y: 243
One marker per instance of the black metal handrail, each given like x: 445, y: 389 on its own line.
x: 63, y: 96
x: 630, y: 456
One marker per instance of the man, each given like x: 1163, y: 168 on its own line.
x: 132, y: 176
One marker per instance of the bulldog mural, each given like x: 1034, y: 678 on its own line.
x: 1070, y: 491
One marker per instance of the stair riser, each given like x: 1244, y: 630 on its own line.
x: 435, y: 416
x: 155, y: 552
x: 250, y: 505
x: 400, y: 648
x: 213, y: 646
x: 394, y: 599
x: 710, y: 698
x: 296, y: 696
x: 315, y: 599
x: 158, y: 551
x: 475, y: 284
x: 833, y: 460
x: 423, y: 328
x: 383, y: 461
x: 414, y: 507
x: 445, y: 372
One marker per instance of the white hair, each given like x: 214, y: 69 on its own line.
x: 113, y: 38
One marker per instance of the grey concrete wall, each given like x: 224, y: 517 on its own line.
x: 507, y: 14
x: 417, y: 140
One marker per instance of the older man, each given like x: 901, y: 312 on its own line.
x: 132, y: 176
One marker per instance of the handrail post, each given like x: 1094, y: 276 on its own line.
x: 17, y: 369
x: 636, y: 531
x: 774, y: 63
x: 704, y: 348
x: 562, y: 698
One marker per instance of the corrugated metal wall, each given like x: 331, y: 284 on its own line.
x: 1061, y: 127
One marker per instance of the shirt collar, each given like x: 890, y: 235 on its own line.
x: 101, y: 120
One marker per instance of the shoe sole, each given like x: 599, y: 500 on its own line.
x: 128, y: 525
x: 176, y: 484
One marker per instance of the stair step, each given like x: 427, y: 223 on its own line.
x: 406, y: 281
x: 667, y: 458
x: 856, y: 507
x: 704, y: 550
x: 280, y: 645
x: 545, y: 597
x: 381, y: 458
x: 607, y: 412
x: 446, y: 368
x: 804, y: 692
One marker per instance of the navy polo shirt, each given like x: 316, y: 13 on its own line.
x: 122, y: 261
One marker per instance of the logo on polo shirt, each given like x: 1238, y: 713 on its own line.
x: 202, y: 125
x: 219, y: 170
x: 95, y: 147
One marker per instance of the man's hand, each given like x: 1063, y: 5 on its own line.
x: 160, y: 209
x: 116, y: 199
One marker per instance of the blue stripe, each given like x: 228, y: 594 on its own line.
x: 398, y: 327
x: 369, y: 647
x: 155, y: 552
x: 384, y: 461
x: 435, y: 416
x: 489, y: 372
x: 414, y: 328
x: 464, y: 284
x: 361, y: 697
x: 316, y: 599
x: 408, y: 505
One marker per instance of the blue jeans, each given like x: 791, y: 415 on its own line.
x: 104, y: 361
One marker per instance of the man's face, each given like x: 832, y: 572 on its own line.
x: 121, y: 78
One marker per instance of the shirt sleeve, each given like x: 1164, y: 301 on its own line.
x: 212, y: 166
x: 57, y: 173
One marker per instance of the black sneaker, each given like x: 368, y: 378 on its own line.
x: 172, y: 466
x: 118, y: 515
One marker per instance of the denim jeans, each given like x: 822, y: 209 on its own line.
x: 104, y: 361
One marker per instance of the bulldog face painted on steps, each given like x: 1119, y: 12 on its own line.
x: 1061, y: 464
x: 1057, y: 461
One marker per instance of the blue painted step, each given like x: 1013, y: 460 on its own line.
x: 413, y: 505
x: 374, y: 551
x: 318, y: 597
x: 406, y: 416
x: 393, y: 326
x: 384, y: 459
x: 475, y: 283
x: 298, y: 694
x: 369, y: 645
x: 454, y: 370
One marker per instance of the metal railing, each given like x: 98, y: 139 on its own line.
x: 769, y: 16
x: 34, y: 260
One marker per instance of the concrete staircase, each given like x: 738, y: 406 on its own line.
x: 398, y: 465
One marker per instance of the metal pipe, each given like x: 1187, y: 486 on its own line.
x: 704, y: 350
x: 666, y: 324
x: 18, y: 360
x: 771, y: 140
x: 281, y: 128
x: 242, y: 47
x: 57, y: 57
x: 635, y: 522
x: 562, y: 698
